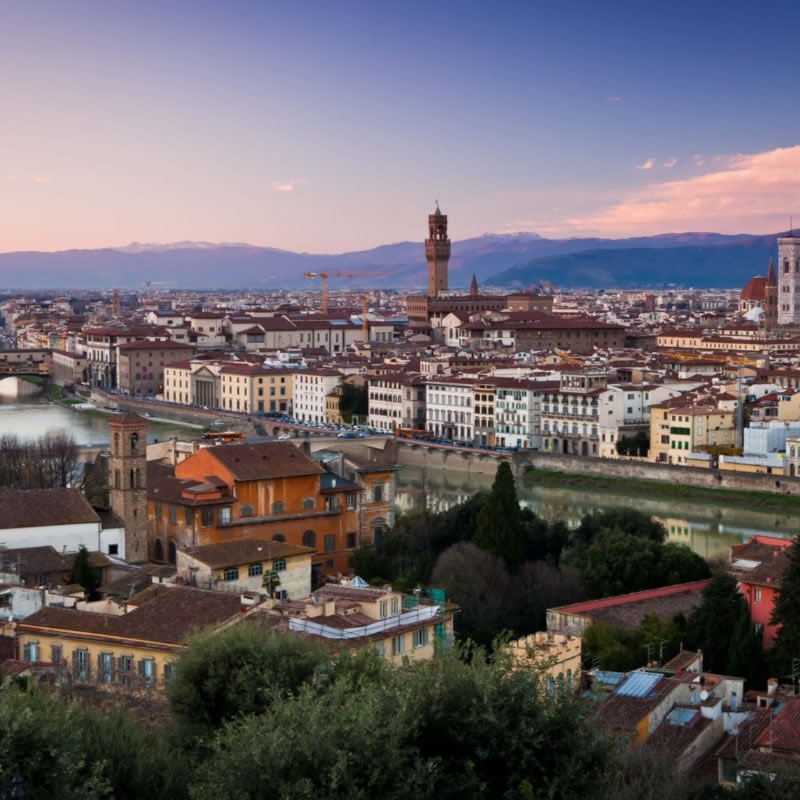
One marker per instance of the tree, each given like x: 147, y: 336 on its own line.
x: 354, y: 400
x: 271, y: 581
x: 85, y: 575
x: 712, y: 625
x: 499, y: 526
x: 746, y: 657
x: 786, y: 610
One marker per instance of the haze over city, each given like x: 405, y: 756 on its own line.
x: 323, y: 128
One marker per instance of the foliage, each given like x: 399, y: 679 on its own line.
x: 786, y: 612
x: 444, y: 729
x: 492, y: 599
x: 238, y: 671
x: 354, y: 400
x: 85, y: 575
x: 49, y: 462
x: 746, y: 656
x: 634, y: 445
x: 499, y: 526
x: 617, y: 563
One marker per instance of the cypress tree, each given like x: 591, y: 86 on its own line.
x: 786, y: 611
x: 499, y: 527
x: 85, y: 575
x: 746, y: 657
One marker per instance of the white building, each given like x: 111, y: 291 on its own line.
x: 60, y: 518
x: 396, y: 400
x: 518, y: 408
x: 310, y: 388
x: 448, y: 404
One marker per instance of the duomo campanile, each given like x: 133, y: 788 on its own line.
x: 437, y: 252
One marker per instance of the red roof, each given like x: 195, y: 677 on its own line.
x: 754, y: 290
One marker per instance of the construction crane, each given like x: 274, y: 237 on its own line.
x: 323, y: 279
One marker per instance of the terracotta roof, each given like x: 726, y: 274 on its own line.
x: 30, y: 508
x: 254, y: 462
x: 754, y: 290
x: 244, y: 551
x: 168, y: 618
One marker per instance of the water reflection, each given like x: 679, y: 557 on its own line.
x: 708, y: 529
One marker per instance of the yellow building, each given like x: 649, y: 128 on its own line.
x: 677, y: 431
x: 398, y: 629
x: 136, y: 648
x: 333, y: 416
x: 558, y: 655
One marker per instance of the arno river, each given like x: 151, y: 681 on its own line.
x: 708, y: 529
x: 31, y: 418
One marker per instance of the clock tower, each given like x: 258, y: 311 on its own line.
x: 437, y: 252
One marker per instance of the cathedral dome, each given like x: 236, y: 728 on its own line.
x: 754, y: 290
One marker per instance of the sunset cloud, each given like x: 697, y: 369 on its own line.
x: 649, y: 164
x: 670, y: 162
x: 288, y: 186
x: 746, y: 193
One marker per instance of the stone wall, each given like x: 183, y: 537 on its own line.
x: 410, y: 453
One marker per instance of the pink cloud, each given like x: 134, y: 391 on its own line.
x: 288, y: 186
x: 649, y: 164
x: 670, y: 162
x: 748, y: 193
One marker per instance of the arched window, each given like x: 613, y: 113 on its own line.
x: 246, y: 511
x: 173, y: 556
x: 134, y: 440
x: 117, y: 479
x: 278, y: 537
x: 277, y: 507
x: 116, y: 443
x: 309, y: 539
x: 132, y: 479
x: 158, y: 551
x: 308, y: 503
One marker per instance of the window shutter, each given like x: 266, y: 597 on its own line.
x: 75, y: 664
x: 141, y: 667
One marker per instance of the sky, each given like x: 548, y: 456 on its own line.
x: 335, y: 126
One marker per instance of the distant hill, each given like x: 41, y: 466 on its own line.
x: 697, y: 259
x: 715, y: 265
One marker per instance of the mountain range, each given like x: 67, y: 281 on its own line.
x: 514, y: 260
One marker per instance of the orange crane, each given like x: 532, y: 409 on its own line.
x: 323, y: 279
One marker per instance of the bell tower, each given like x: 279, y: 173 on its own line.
x: 769, y: 315
x: 437, y: 252
x: 127, y: 480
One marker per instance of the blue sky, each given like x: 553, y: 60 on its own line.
x: 325, y: 126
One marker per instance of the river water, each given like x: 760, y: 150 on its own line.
x: 708, y: 529
x: 32, y: 417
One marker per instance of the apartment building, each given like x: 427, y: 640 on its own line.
x: 101, y: 350
x: 310, y: 389
x: 396, y: 400
x: 68, y: 368
x: 140, y: 365
x: 252, y: 389
x: 449, y: 408
x: 677, y: 430
x: 518, y: 412
x: 483, y: 401
x: 570, y: 415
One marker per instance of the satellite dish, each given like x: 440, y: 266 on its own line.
x: 704, y: 695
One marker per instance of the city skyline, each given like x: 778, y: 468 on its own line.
x: 332, y: 129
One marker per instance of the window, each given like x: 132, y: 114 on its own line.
x: 207, y: 517
x: 30, y: 651
x: 398, y: 645
x: 351, y: 541
x: 187, y: 515
x: 169, y: 672
x: 757, y: 594
x: 421, y: 637
x: 224, y: 515
x: 254, y: 570
x: 56, y: 653
x: 246, y: 511
x: 331, y: 504
x: 308, y: 503
x: 279, y: 565
x: 383, y: 607
x: 377, y: 492
x: 105, y: 667
x: 309, y: 539
x: 125, y: 669
x: 278, y: 537
x: 147, y: 671
x: 113, y: 549
x: 277, y: 507
x: 157, y: 512
x: 395, y: 606
x: 230, y: 574
x: 330, y: 542
x: 80, y: 664
x: 172, y: 514
x: 379, y: 649
x: 351, y: 501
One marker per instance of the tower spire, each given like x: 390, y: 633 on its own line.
x: 437, y: 252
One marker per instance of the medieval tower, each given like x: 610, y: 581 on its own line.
x: 788, y: 279
x: 769, y: 317
x: 437, y: 252
x: 127, y: 481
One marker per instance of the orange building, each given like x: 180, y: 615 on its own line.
x: 267, y: 491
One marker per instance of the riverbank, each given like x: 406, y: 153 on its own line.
x: 762, y: 501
